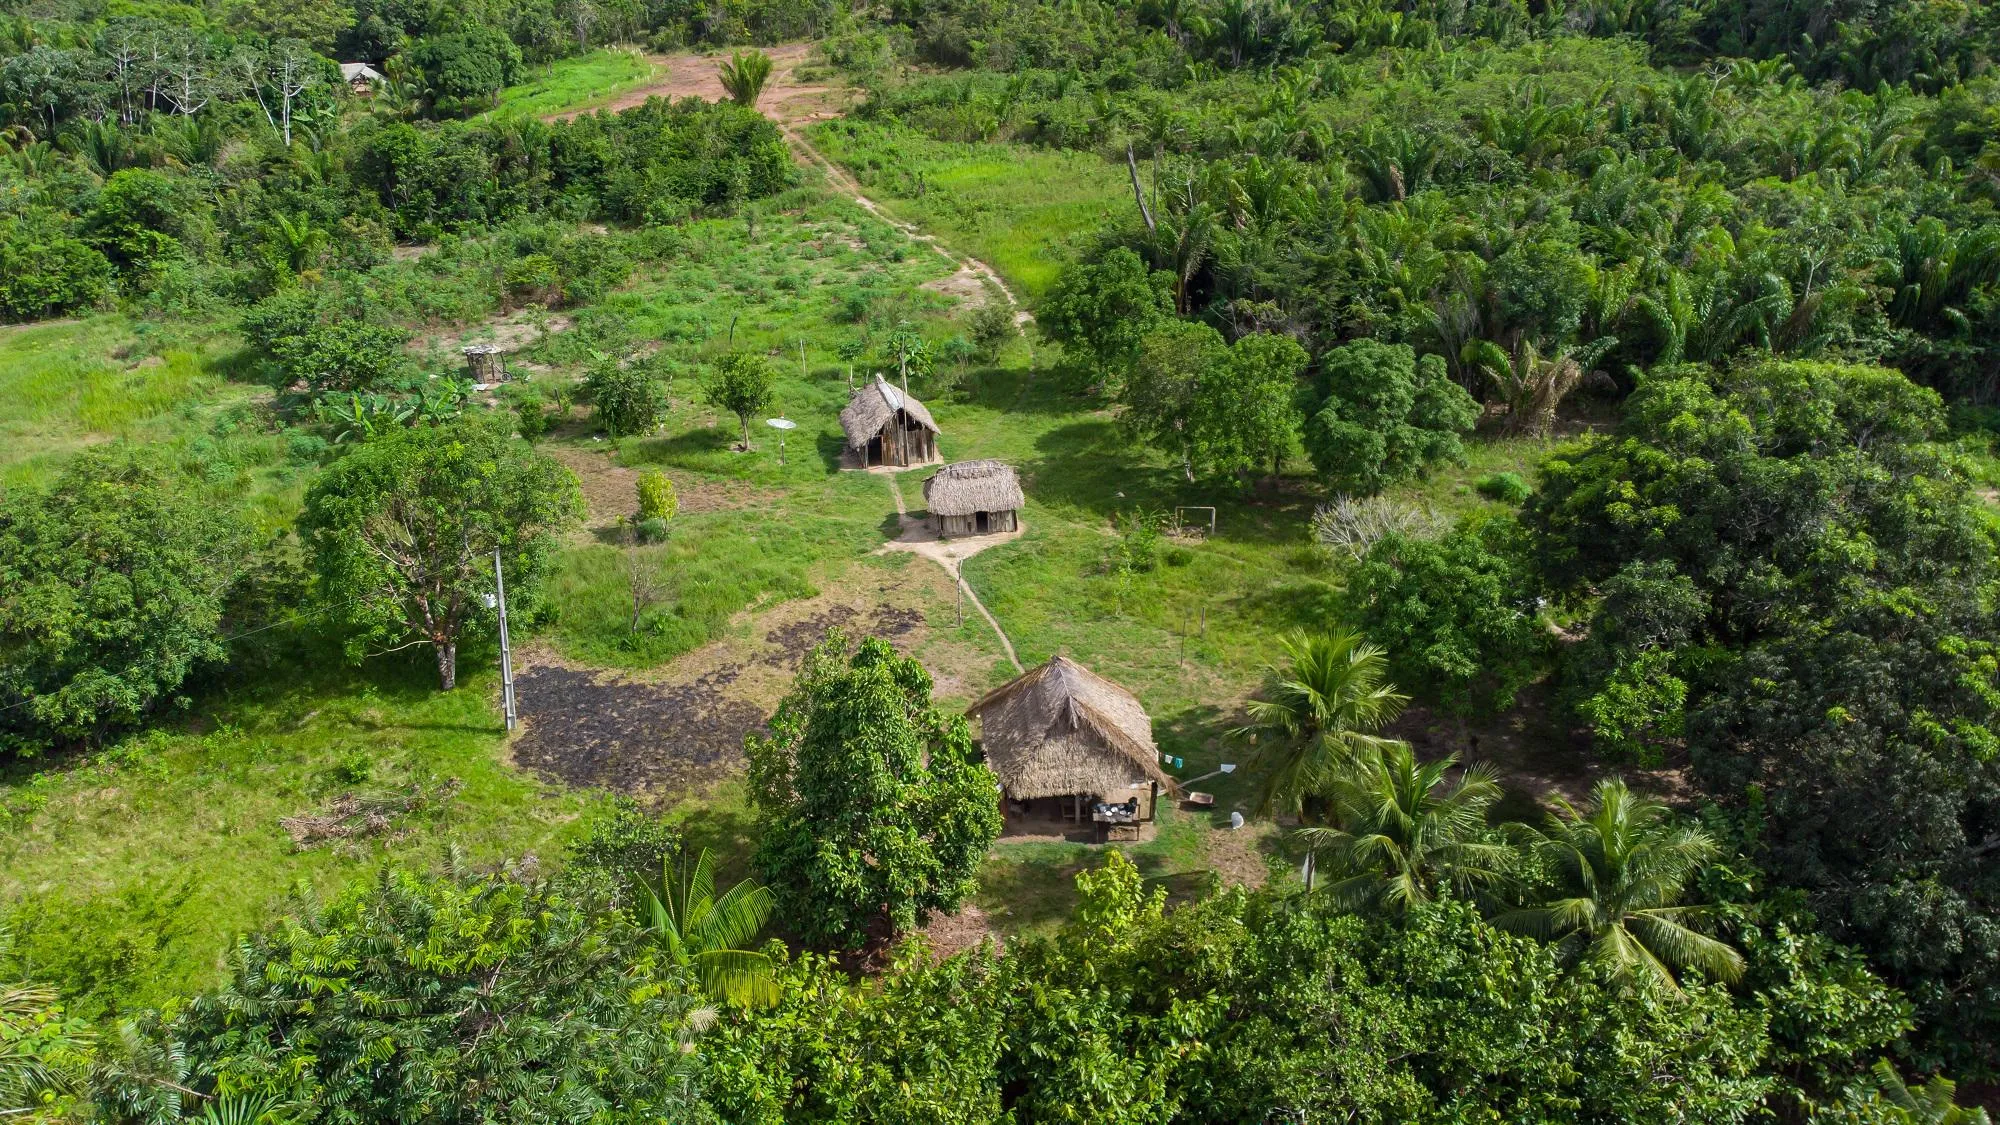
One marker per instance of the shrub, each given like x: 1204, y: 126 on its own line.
x: 1508, y: 488
x: 43, y: 273
x: 629, y: 398
x: 651, y: 530
x: 657, y: 499
x: 532, y: 419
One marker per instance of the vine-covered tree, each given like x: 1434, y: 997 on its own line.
x: 400, y: 534
x: 874, y: 809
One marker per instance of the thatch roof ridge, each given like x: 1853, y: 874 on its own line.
x: 973, y: 486
x: 871, y: 407
x: 1030, y: 728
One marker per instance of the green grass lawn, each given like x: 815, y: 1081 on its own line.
x: 1022, y: 210
x: 127, y: 874
x: 582, y: 82
x: 72, y: 383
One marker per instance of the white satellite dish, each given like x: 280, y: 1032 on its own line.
x: 781, y: 425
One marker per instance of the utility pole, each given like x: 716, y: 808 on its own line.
x: 506, y: 651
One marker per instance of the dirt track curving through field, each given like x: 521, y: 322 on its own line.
x: 792, y: 104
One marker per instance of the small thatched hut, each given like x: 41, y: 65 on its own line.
x: 1065, y: 733
x: 973, y: 498
x: 884, y: 426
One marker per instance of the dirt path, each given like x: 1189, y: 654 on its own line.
x: 950, y: 554
x: 791, y: 104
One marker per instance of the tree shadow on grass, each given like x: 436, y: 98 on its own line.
x: 1303, y: 603
x: 1025, y: 888
x: 693, y: 446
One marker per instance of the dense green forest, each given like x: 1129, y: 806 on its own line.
x: 1615, y: 383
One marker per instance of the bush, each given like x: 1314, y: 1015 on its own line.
x: 1508, y: 488
x: 651, y: 530
x: 532, y: 419
x: 657, y: 499
x: 629, y: 398
x: 43, y: 273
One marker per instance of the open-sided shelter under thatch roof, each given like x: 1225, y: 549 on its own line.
x: 884, y: 426
x: 1064, y: 730
x: 973, y: 497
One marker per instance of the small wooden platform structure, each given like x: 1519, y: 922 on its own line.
x: 973, y: 498
x: 884, y: 426
x: 485, y: 363
x: 1066, y: 735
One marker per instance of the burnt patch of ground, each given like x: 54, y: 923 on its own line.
x: 792, y: 640
x: 593, y: 730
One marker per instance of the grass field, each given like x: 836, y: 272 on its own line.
x: 128, y: 876
x: 580, y: 83
x: 127, y: 873
x: 1022, y: 210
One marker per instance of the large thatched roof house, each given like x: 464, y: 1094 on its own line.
x: 973, y: 498
x: 1063, y: 731
x: 884, y: 426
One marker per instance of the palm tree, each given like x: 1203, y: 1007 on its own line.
x: 1933, y: 1103
x: 1322, y: 705
x: 706, y: 934
x: 744, y: 75
x: 28, y: 1072
x: 1401, y: 828
x: 1620, y: 870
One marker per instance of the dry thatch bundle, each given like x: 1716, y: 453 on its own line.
x: 872, y: 408
x: 1063, y: 729
x: 972, y: 486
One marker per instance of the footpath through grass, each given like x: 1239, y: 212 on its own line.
x: 1024, y: 211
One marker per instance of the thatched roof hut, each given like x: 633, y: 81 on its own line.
x: 1064, y: 730
x: 884, y: 426
x: 973, y: 498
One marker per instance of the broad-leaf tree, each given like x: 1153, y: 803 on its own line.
x: 112, y: 588
x: 454, y: 998
x: 875, y: 810
x: 1099, y: 312
x: 740, y: 383
x: 400, y: 534
x: 1384, y: 416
